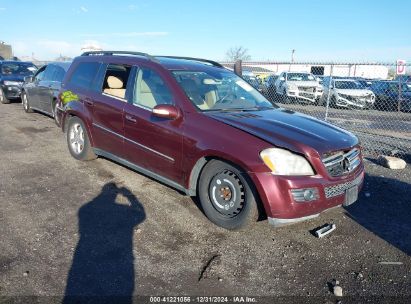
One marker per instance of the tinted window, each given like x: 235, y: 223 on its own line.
x: 83, y: 75
x: 48, y: 74
x: 150, y: 89
x: 40, y: 74
x: 58, y: 74
x: 17, y: 68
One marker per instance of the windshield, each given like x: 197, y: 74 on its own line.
x: 221, y: 90
x: 351, y: 85
x: 18, y: 68
x: 300, y: 77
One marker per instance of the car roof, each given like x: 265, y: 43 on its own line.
x: 64, y: 64
x: 167, y: 62
x: 16, y: 61
x: 346, y: 79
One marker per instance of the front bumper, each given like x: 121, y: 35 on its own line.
x: 355, y: 102
x: 311, y: 97
x: 280, y: 205
x: 11, y: 92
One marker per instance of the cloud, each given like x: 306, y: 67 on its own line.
x: 128, y: 34
x: 84, y: 9
x: 2, y: 8
x: 132, y: 7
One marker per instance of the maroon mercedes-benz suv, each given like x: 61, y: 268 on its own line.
x: 196, y: 126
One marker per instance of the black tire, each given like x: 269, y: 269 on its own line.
x: 78, y: 141
x: 235, y: 191
x: 3, y: 98
x: 54, y: 110
x: 25, y: 102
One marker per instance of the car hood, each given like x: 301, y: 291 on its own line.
x: 304, y: 83
x: 354, y: 92
x: 288, y: 129
x: 19, y: 78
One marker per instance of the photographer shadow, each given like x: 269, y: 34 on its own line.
x: 103, y: 264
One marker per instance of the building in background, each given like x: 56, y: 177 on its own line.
x: 6, y: 52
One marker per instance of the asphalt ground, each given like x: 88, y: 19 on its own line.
x: 70, y: 228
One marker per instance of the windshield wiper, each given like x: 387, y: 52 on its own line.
x: 239, y: 109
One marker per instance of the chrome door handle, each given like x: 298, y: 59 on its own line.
x: 131, y: 118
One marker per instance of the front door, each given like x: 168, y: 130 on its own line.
x: 151, y: 142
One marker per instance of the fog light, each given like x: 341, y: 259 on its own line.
x: 305, y: 195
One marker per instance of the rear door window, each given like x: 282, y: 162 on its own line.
x: 115, y: 80
x: 84, y: 74
x: 48, y: 73
x: 58, y: 74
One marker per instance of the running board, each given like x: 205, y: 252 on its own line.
x: 144, y: 171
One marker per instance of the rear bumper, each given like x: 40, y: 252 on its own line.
x: 280, y: 205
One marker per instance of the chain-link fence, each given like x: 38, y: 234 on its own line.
x: 367, y: 99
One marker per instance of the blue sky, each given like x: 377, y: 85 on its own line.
x: 318, y: 30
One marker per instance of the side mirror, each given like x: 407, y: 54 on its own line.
x: 166, y: 111
x: 282, y: 78
x: 28, y: 79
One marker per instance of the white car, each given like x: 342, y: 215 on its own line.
x: 347, y: 93
x: 298, y: 86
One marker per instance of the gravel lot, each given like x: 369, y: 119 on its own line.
x: 140, y: 237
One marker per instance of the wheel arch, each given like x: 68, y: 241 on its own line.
x: 204, y: 160
x: 66, y: 118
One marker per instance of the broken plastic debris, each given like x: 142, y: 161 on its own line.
x: 324, y: 230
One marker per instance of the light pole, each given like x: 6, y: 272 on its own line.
x: 292, y: 60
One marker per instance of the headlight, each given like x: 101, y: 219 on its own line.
x: 283, y: 162
x: 12, y: 83
x: 292, y: 87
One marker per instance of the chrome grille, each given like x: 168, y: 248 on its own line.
x: 341, y: 188
x: 340, y: 163
x: 307, y: 89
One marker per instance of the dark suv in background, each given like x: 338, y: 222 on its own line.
x: 198, y: 127
x: 12, y: 75
x: 40, y: 91
x: 389, y: 97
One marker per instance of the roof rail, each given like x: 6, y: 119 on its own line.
x: 111, y: 53
x: 213, y: 63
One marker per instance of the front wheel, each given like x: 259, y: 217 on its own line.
x: 25, y: 102
x: 78, y: 141
x: 3, y: 98
x: 55, y: 113
x: 227, y: 196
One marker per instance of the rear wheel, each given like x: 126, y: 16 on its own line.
x: 3, y: 98
x: 227, y: 196
x: 78, y: 141
x: 25, y: 102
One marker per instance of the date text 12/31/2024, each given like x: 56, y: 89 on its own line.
x: 203, y: 299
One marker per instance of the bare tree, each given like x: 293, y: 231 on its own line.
x: 237, y: 53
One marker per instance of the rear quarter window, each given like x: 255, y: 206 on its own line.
x: 84, y: 74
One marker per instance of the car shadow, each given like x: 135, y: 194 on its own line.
x: 103, y: 264
x: 386, y: 211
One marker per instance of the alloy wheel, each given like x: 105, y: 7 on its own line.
x: 76, y: 137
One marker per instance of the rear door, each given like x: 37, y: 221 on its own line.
x: 151, y: 142
x: 32, y: 88
x: 44, y: 89
x: 108, y: 106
